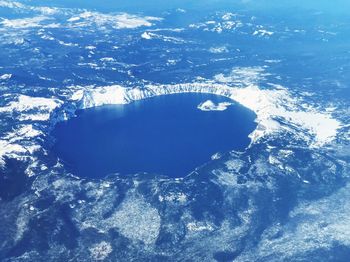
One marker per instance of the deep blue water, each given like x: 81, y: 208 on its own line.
x: 163, y: 135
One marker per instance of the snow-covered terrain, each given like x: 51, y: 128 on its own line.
x: 284, y: 197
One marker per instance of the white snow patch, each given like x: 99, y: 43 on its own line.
x: 10, y: 150
x: 101, y: 250
x: 146, y: 35
x: 16, y: 5
x: 219, y: 26
x: 5, y: 76
x: 117, y: 21
x: 215, y: 156
x: 73, y: 19
x: 211, y: 106
x: 177, y: 30
x: 23, y: 132
x: 180, y: 10
x: 171, y: 62
x: 47, y: 37
x: 101, y: 96
x: 272, y: 104
x: 218, y: 50
x: 32, y: 108
x: 107, y: 59
x: 91, y: 65
x: 11, y: 4
x: 90, y: 47
x: 45, y: 10
x: 273, y: 61
x: 243, y: 76
x: 262, y: 32
x: 24, y: 22
x: 12, y: 144
x: 173, y: 197
x: 228, y: 16
x: 149, y: 36
x: 199, y: 226
x: 66, y: 44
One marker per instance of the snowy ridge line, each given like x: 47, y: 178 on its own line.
x: 268, y: 105
x: 22, y: 23
x: 74, y: 18
x: 148, y: 36
x: 84, y: 19
x: 117, y: 21
x: 20, y: 6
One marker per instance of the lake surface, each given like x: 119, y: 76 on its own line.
x: 165, y: 135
